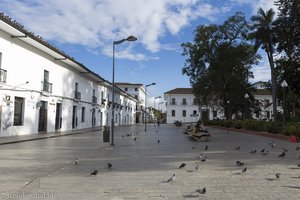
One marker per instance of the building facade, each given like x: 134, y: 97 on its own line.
x: 139, y: 93
x: 181, y: 106
x: 44, y: 90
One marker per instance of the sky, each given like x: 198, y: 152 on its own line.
x: 86, y: 29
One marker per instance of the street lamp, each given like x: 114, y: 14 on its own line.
x: 130, y: 39
x: 246, y: 110
x: 145, y: 104
x: 284, y: 85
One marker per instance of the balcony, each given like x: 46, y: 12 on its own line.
x: 77, y: 95
x: 46, y: 86
x: 3, y: 74
x: 94, y: 99
x: 183, y: 103
x: 173, y: 103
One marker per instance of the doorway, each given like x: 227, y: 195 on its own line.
x: 58, y: 119
x: 43, y: 117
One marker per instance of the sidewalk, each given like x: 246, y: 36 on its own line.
x: 24, y: 138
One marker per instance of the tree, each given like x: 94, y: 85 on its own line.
x: 263, y: 35
x: 218, y: 63
x: 287, y: 29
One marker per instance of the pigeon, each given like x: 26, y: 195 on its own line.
x: 204, y: 159
x: 109, y: 165
x: 201, y: 191
x: 194, y: 147
x: 253, y: 151
x: 273, y: 144
x: 134, y: 138
x: 158, y: 141
x: 197, y: 167
x: 263, y: 150
x: 265, y: 153
x: 281, y: 155
x: 239, y: 163
x: 94, y: 173
x: 76, y: 161
x: 173, y: 177
x: 200, y: 156
x: 237, y: 148
x: 284, y: 149
x: 182, y: 165
x: 297, y: 148
x: 277, y: 175
x: 206, y: 147
x: 244, y: 170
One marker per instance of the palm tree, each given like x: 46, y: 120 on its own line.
x: 263, y: 36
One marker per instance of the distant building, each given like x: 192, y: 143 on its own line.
x: 182, y: 106
x: 138, y: 91
x: 263, y: 102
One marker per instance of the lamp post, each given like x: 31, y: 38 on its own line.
x: 145, y: 104
x: 284, y: 85
x: 246, y: 110
x: 130, y: 39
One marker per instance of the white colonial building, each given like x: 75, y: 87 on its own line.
x: 44, y: 90
x: 182, y: 106
x: 138, y: 91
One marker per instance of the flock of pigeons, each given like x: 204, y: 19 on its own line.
x: 203, y: 158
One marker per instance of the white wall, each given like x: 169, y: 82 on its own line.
x: 25, y: 63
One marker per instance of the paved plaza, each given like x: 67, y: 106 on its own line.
x: 141, y: 166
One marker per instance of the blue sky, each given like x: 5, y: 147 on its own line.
x: 86, y: 29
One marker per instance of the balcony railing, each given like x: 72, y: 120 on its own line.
x: 46, y: 86
x: 103, y: 101
x: 3, y: 74
x: 77, y: 95
x: 94, y: 99
x: 183, y: 103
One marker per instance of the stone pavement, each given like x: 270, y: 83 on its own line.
x: 44, y: 169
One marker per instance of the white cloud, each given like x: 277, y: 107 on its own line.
x: 96, y: 23
x: 262, y: 71
x: 256, y: 4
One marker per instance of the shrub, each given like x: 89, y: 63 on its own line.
x: 238, y: 124
x: 274, y: 127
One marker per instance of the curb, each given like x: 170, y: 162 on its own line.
x: 48, y: 136
x: 265, y: 134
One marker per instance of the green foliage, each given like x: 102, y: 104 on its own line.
x: 275, y: 127
x: 292, y: 129
x: 218, y: 63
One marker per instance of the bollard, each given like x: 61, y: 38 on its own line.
x: 106, y: 134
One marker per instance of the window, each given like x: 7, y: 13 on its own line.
x: 76, y: 87
x: 194, y: 101
x: 136, y: 97
x: 19, y: 110
x: 173, y: 113
x: 94, y: 92
x: 194, y: 112
x: 83, y: 114
x: 184, y: 101
x: 215, y: 114
x: 126, y: 89
x: 173, y: 101
x: 184, y: 113
x: 46, y: 76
